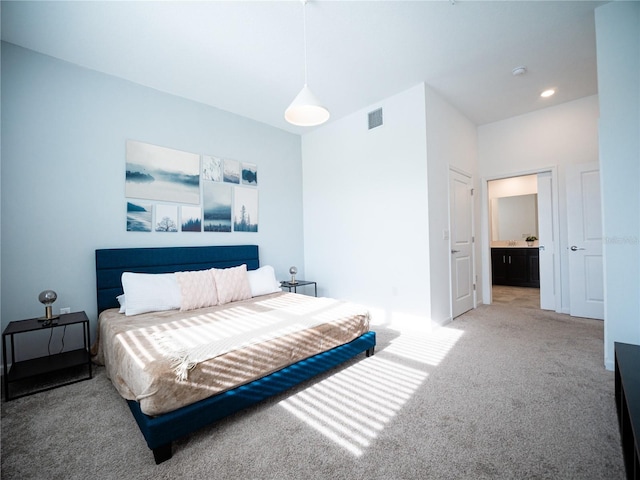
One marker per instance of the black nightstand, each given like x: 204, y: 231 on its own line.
x: 34, y: 367
x: 299, y: 283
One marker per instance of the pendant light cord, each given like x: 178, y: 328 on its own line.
x: 306, y: 110
x: 304, y: 30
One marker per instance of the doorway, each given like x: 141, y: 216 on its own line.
x: 531, y: 211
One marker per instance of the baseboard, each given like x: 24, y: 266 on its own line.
x: 609, y: 364
x: 446, y: 321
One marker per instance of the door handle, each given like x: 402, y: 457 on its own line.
x: 455, y: 251
x: 541, y: 248
x: 574, y: 248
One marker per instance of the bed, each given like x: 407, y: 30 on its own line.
x: 196, y: 389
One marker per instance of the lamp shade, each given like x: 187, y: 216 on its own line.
x: 306, y: 110
x: 47, y: 297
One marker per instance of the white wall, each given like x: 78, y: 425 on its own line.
x: 365, y: 208
x: 566, y: 134
x: 451, y: 142
x: 63, y: 169
x: 618, y: 48
x: 376, y: 204
x: 508, y: 187
x: 512, y: 220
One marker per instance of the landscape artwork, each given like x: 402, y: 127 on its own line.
x: 245, y: 210
x: 159, y: 173
x: 212, y: 168
x: 191, y: 218
x: 139, y: 217
x: 249, y: 174
x: 231, y: 172
x: 217, y: 207
x: 166, y: 218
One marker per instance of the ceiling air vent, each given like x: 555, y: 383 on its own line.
x: 375, y: 118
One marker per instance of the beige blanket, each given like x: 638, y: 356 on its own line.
x: 139, y: 351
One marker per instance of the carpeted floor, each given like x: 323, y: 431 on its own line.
x: 502, y: 392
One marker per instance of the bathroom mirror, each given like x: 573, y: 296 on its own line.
x: 514, y: 218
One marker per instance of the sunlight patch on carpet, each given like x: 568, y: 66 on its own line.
x: 425, y: 347
x: 352, y: 406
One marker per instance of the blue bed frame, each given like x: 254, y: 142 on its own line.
x: 161, y: 430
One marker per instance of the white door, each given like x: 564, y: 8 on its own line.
x: 586, y: 284
x: 546, y: 241
x: 461, y: 242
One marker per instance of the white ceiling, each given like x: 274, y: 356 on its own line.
x: 248, y: 57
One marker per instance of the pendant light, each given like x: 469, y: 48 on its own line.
x: 306, y: 110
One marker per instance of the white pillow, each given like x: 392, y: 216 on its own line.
x: 148, y: 292
x: 232, y: 284
x: 121, y: 301
x: 263, y: 281
x: 198, y: 289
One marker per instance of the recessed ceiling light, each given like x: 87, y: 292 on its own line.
x: 547, y: 93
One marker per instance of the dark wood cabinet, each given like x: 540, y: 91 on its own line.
x: 533, y: 258
x: 515, y: 266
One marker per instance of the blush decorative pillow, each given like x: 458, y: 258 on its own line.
x: 149, y: 292
x: 198, y: 289
x: 263, y: 281
x: 232, y: 284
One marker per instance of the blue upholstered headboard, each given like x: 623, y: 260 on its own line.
x: 112, y: 262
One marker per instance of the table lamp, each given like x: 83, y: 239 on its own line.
x: 47, y: 298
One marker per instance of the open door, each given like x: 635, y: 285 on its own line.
x: 547, y: 242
